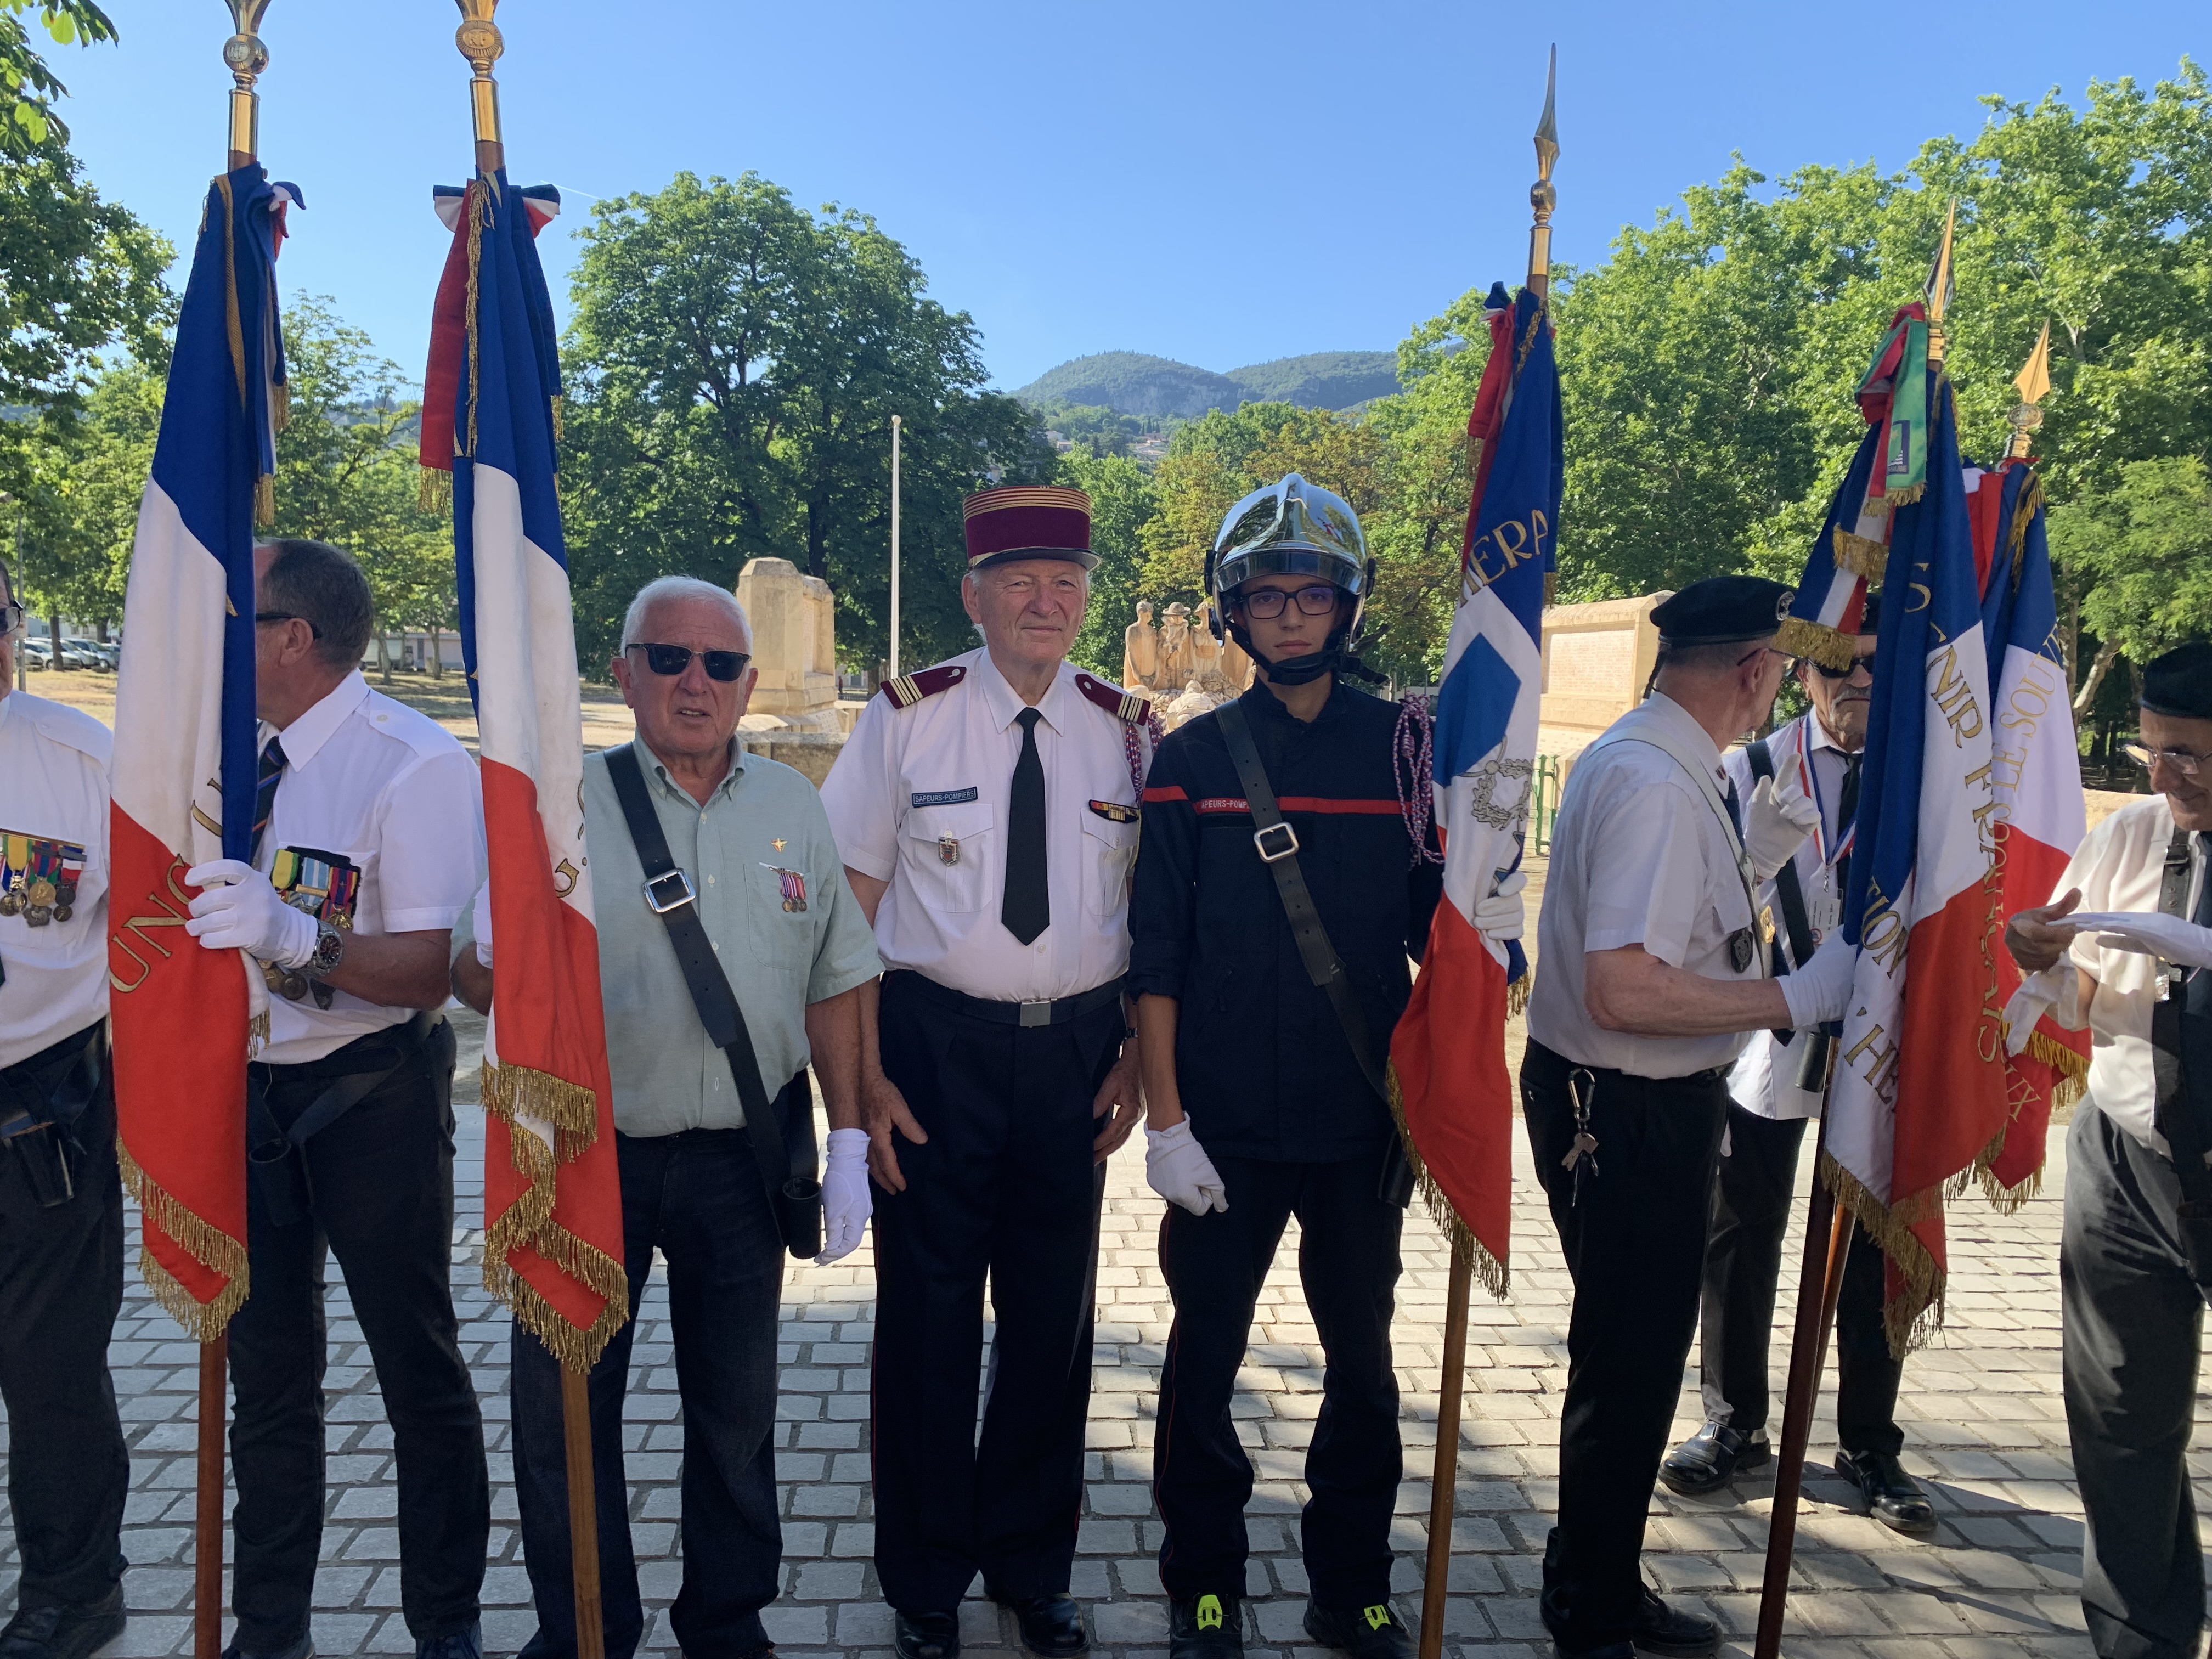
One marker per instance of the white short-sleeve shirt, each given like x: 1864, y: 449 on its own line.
x: 1638, y: 857
x: 393, y: 792
x: 53, y: 791
x: 919, y: 798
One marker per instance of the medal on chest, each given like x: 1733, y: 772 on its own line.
x: 1742, y: 944
x: 324, y: 885
x: 948, y: 851
x: 793, y: 883
x: 38, y: 877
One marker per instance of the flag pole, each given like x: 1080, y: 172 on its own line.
x: 2034, y: 386
x: 479, y: 41
x: 895, y: 546
x: 1443, y: 1475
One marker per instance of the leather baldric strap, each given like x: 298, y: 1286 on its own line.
x: 2175, y: 1112
x: 1789, y: 894
x: 786, y: 1163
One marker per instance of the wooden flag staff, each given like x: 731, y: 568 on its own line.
x: 1444, y: 1478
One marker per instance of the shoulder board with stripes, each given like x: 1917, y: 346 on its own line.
x: 908, y: 690
x: 1124, y: 706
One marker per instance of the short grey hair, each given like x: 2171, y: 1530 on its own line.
x: 323, y: 586
x: 677, y: 587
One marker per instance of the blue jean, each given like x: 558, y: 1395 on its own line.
x: 697, y: 1197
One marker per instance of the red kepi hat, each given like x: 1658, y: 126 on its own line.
x: 1028, y: 521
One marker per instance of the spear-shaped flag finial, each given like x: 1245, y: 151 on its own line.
x: 1542, y: 197
x: 2034, y: 386
x: 1941, y: 286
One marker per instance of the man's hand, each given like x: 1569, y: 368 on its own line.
x: 1820, y: 991
x: 1120, y: 1094
x: 1777, y: 819
x: 846, y: 1204
x: 882, y: 1109
x: 2153, y: 933
x: 1178, y: 1170
x: 239, y: 910
x: 2037, y: 938
x: 1504, y: 914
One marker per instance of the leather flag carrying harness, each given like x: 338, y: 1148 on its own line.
x: 786, y: 1160
x: 2172, y: 1052
x: 1278, y: 846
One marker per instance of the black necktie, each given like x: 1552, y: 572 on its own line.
x: 265, y: 793
x: 1027, y: 907
x: 1734, y: 809
x: 1847, y: 799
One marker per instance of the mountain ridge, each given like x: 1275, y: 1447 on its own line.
x: 1139, y: 383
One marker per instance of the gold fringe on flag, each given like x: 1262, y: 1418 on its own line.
x: 280, y: 405
x: 1516, y: 994
x: 1916, y: 1313
x: 437, y: 494
x: 517, y: 1091
x: 265, y: 502
x: 1861, y: 556
x: 1907, y: 494
x: 1823, y: 644
x: 479, y: 212
x: 207, y: 1244
x: 1493, y: 1275
x: 560, y: 419
x: 2073, y: 1070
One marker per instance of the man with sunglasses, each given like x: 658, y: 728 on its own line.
x: 1265, y: 1094
x: 1651, y: 979
x: 61, y: 1202
x: 765, y: 882
x: 367, y: 843
x: 2126, y: 951
x: 987, y: 809
x: 1768, y: 1103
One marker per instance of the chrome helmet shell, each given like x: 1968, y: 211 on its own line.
x: 1291, y: 527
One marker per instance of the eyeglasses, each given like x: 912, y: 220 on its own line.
x: 260, y: 616
x: 11, y: 618
x: 1848, y: 670
x: 2181, y: 760
x: 724, y: 665
x: 1268, y: 602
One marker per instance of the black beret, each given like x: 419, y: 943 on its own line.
x: 1722, y: 610
x: 2179, y: 683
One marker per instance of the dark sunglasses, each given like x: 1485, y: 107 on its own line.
x: 1268, y: 603
x: 724, y: 665
x: 1845, y: 674
x: 260, y: 616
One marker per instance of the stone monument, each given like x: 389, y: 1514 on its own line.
x: 1141, y: 652
x: 1177, y: 661
x: 795, y: 646
x: 1597, y: 659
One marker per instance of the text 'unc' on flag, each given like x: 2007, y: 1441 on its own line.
x: 183, y: 771
x: 1448, y: 1081
x: 552, y: 1197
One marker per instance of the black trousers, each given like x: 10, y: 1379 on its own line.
x: 698, y: 1198
x: 1743, y: 1265
x: 61, y: 1285
x: 1007, y: 1186
x: 2133, y: 1322
x: 1215, y: 1265
x: 380, y: 1193
x: 1634, y: 1237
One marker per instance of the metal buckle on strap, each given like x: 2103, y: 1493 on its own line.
x: 1037, y: 1013
x: 1288, y: 845
x: 661, y: 904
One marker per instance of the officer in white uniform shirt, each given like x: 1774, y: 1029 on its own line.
x: 986, y: 810
x: 61, y: 1202
x: 1768, y: 1108
x: 368, y: 842
x: 2134, y: 1265
x: 1651, y: 976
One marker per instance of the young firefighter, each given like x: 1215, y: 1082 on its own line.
x: 1263, y: 1102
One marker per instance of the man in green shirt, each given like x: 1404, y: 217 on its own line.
x: 770, y: 892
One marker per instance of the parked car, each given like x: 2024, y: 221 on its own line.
x: 95, y: 655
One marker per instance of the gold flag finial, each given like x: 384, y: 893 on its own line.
x: 478, y: 39
x: 1543, y: 198
x: 2034, y: 386
x: 246, y: 58
x: 1941, y: 285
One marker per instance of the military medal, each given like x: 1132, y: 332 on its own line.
x: 37, y: 877
x: 793, y: 883
x: 324, y: 885
x: 948, y: 850
x: 1740, y: 949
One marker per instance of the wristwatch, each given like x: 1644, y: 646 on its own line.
x: 329, y: 951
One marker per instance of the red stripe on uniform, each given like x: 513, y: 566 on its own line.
x: 1165, y: 792
x: 1289, y: 803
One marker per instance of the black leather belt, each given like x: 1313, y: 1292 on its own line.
x: 1008, y: 1013
x: 351, y: 1075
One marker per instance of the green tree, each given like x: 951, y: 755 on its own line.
x: 26, y: 83
x: 2143, y: 552
x: 1122, y: 502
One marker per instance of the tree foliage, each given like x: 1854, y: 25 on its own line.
x: 27, y: 85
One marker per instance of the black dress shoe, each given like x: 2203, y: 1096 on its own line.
x: 1205, y: 1627
x: 1709, y: 1460
x: 1369, y: 1632
x: 1673, y: 1633
x: 302, y: 1649
x: 1051, y: 1625
x: 63, y: 1630
x: 926, y: 1635
x: 1894, y: 1497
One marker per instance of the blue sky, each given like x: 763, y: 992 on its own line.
x: 1216, y: 182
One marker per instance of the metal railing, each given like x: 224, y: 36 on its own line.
x: 1544, y: 791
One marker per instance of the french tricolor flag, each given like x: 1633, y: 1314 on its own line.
x: 552, y: 1197
x: 183, y: 771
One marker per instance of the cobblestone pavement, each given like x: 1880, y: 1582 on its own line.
x: 1982, y: 1414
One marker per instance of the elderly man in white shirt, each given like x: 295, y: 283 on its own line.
x: 2126, y: 949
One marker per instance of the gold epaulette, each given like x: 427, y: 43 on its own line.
x: 1127, y: 707
x: 908, y: 690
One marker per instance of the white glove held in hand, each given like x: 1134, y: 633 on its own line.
x: 480, y: 925
x: 1178, y: 1170
x: 2147, y: 933
x: 1821, y: 990
x: 1504, y: 914
x: 2055, y: 991
x: 1776, y: 821
x: 240, y: 911
x: 846, y: 1205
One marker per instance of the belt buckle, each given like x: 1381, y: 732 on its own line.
x: 1289, y: 847
x: 1035, y: 1013
x: 658, y: 905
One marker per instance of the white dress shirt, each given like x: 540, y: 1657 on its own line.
x: 2121, y: 866
x: 1639, y: 857
x: 919, y: 798
x: 1764, y: 1080
x: 393, y: 792
x: 53, y: 787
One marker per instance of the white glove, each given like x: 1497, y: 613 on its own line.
x: 2147, y: 933
x: 1821, y: 990
x: 1504, y: 914
x: 846, y: 1205
x: 1776, y: 821
x: 480, y: 925
x: 2055, y: 991
x: 1178, y: 1170
x: 240, y: 911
